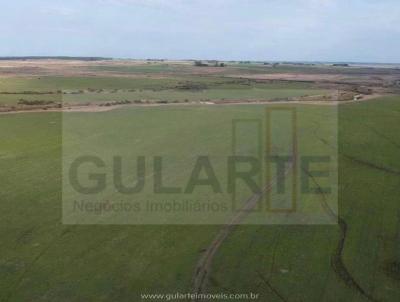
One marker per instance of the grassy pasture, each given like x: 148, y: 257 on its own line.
x: 207, y: 132
x: 297, y: 259
x: 35, y: 245
x: 43, y: 260
x: 310, y: 69
x: 106, y: 89
x: 52, y: 83
x: 171, y: 95
x: 35, y: 240
x: 238, y: 68
x: 145, y: 68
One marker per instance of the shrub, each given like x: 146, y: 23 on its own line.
x: 34, y: 102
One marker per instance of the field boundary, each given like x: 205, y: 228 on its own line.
x: 97, y: 108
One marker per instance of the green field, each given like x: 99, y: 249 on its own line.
x: 193, y: 96
x: 43, y: 260
x: 83, y: 90
x: 297, y: 260
x: 237, y: 68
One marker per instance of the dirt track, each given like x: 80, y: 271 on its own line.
x: 97, y: 108
x: 203, y: 267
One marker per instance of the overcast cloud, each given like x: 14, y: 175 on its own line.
x: 302, y: 30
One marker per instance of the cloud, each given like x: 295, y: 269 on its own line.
x: 147, y: 3
x: 176, y: 5
x: 320, y: 3
x: 58, y: 10
x: 256, y: 29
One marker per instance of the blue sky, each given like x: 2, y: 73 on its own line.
x: 302, y: 30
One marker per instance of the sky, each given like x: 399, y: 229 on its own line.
x: 264, y: 30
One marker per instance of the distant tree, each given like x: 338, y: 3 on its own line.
x: 200, y: 64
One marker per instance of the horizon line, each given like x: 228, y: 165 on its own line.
x: 44, y: 57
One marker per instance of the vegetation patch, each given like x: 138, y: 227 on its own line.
x: 392, y: 269
x: 34, y: 102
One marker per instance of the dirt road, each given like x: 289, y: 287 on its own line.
x: 97, y: 108
x: 203, y: 267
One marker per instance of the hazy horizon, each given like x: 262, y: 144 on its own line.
x: 36, y: 57
x: 298, y: 30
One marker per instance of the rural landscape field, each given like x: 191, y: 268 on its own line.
x: 53, y: 109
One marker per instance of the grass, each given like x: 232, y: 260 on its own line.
x: 121, y: 260
x: 309, y: 69
x: 107, y: 89
x: 52, y: 83
x: 176, y: 69
x: 44, y: 260
x: 144, y: 68
x: 296, y: 260
x: 112, y: 262
x: 171, y: 95
x: 14, y: 99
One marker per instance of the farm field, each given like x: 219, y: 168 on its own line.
x: 293, y: 256
x: 49, y: 253
x: 43, y: 260
x: 98, y: 90
x: 194, y: 151
x: 38, y: 85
